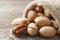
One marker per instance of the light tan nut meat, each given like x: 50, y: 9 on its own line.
x: 18, y: 21
x: 32, y: 29
x: 32, y: 15
x: 47, y: 31
x: 42, y: 21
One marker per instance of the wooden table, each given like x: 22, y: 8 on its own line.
x: 10, y: 10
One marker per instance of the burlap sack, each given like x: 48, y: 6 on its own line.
x: 52, y: 5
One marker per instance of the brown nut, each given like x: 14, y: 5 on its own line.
x: 39, y: 9
x: 42, y: 21
x: 19, y: 29
x: 32, y: 29
x: 54, y: 24
x: 18, y: 21
x: 32, y: 15
x: 47, y: 31
x: 40, y: 14
x: 46, y: 13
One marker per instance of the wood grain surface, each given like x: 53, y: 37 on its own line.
x: 9, y: 10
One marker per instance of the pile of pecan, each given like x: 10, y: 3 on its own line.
x: 35, y: 20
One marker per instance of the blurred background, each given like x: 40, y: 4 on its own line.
x: 9, y: 10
